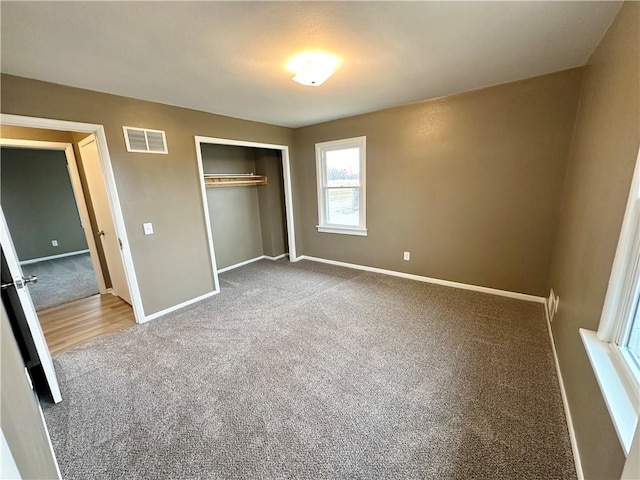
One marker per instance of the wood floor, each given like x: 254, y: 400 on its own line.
x: 73, y: 323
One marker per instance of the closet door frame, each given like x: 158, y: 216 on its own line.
x: 288, y: 197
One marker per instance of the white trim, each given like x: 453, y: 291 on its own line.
x: 278, y: 257
x: 288, y: 195
x: 236, y: 265
x: 179, y: 306
x: 78, y: 193
x: 343, y: 230
x: 618, y: 290
x: 207, y: 220
x: 420, y: 278
x: 321, y: 149
x: 114, y: 199
x: 8, y: 467
x: 631, y: 469
x: 565, y: 400
x: 46, y: 431
x: 251, y: 260
x: 53, y: 257
x: 621, y: 401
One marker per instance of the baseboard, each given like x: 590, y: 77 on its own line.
x: 246, y: 262
x: 565, y: 401
x: 267, y: 257
x: 179, y: 306
x: 53, y: 257
x: 251, y: 260
x: 420, y: 278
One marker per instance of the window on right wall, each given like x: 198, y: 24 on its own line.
x: 341, y: 179
x: 614, y: 350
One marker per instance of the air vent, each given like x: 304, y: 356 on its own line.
x: 144, y: 140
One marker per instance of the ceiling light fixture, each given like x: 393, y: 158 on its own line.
x: 313, y: 68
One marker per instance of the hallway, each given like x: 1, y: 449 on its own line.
x: 77, y: 322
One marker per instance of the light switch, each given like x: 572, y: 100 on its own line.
x: 148, y: 228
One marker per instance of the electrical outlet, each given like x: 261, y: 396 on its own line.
x: 148, y: 228
x: 54, y: 243
x: 407, y: 256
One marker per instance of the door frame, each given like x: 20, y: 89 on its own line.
x: 112, y: 191
x: 288, y: 196
x: 78, y: 193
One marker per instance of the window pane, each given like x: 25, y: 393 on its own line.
x: 343, y: 167
x: 343, y: 206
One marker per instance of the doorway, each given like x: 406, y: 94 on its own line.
x: 97, y: 264
x: 253, y: 219
x: 73, y: 276
x: 112, y: 199
x: 46, y: 212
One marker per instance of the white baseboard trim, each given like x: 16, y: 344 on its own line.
x: 251, y: 260
x: 565, y: 401
x: 179, y: 306
x: 246, y: 262
x: 53, y: 257
x: 420, y: 278
x: 276, y: 258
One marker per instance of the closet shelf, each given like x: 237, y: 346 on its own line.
x: 213, y: 180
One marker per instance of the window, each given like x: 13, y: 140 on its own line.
x: 614, y: 351
x: 341, y: 186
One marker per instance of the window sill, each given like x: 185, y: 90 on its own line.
x: 362, y: 232
x: 616, y: 388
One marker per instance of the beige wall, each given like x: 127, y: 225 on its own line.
x: 42, y: 135
x: 234, y: 211
x: 597, y: 186
x: 469, y: 184
x: 20, y: 418
x: 173, y: 265
x: 246, y: 222
x: 272, y: 208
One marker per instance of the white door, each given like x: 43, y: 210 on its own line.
x: 104, y: 219
x: 29, y: 310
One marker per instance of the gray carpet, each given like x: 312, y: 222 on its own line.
x: 313, y: 371
x: 61, y: 280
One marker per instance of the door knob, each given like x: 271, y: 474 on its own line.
x: 20, y: 282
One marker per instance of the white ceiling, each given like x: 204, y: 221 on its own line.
x: 230, y: 57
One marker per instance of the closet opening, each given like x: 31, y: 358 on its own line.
x: 246, y: 192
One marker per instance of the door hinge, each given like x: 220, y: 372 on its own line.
x: 120, y: 243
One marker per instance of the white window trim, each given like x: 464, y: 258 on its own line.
x: 611, y: 363
x: 323, y: 226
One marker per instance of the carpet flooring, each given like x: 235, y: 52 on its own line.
x: 314, y: 371
x: 61, y: 280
